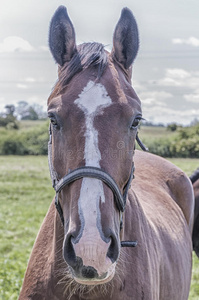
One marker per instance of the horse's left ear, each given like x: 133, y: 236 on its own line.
x: 62, y: 36
x: 125, y: 39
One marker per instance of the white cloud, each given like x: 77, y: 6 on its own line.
x: 15, y: 44
x: 21, y: 86
x: 193, y: 98
x: 167, y: 115
x: 180, y: 78
x: 138, y: 86
x: 192, y: 41
x: 177, y: 73
x: 37, y: 100
x: 173, y: 97
x: 44, y: 48
x: 30, y: 79
x: 18, y: 44
x: 153, y: 98
x: 2, y: 104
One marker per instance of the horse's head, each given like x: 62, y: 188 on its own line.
x: 94, y: 115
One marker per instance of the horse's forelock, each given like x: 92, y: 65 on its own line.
x: 87, y: 55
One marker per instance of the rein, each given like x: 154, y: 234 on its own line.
x: 91, y: 172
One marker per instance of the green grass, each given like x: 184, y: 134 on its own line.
x: 24, y: 124
x: 26, y: 194
x: 186, y: 164
x: 155, y: 132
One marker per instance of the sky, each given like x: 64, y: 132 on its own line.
x: 165, y: 72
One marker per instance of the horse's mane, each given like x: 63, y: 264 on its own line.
x: 194, y: 176
x: 86, y: 55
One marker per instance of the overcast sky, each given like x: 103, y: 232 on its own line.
x: 166, y: 71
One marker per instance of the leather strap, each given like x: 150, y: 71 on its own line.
x: 53, y: 174
x: 97, y: 173
x: 142, y: 146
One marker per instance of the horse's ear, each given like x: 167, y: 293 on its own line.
x: 125, y: 39
x: 62, y: 36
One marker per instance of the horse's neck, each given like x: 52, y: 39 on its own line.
x: 133, y: 216
x: 56, y: 281
x: 40, y: 277
x: 58, y: 265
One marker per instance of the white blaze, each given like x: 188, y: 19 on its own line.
x: 92, y: 100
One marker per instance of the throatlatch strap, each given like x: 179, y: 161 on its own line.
x: 142, y: 146
x: 59, y: 208
x: 126, y: 188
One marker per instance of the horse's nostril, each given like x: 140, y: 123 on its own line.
x: 113, y: 250
x: 89, y: 272
x: 68, y: 252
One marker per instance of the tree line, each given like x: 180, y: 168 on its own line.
x: 11, y: 115
x: 34, y: 140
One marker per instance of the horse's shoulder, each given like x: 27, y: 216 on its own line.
x: 161, y: 172
x: 149, y: 162
x: 38, y: 270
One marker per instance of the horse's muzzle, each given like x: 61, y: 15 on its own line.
x: 91, y: 263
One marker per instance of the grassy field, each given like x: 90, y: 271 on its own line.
x: 25, y: 196
x: 155, y: 132
x: 25, y: 124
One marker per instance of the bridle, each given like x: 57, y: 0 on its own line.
x: 91, y: 172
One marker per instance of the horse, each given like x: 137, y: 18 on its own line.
x: 195, y: 235
x: 106, y: 236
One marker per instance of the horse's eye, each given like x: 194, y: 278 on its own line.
x: 136, y: 122
x: 53, y: 121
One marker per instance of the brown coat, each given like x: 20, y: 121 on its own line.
x: 158, y: 215
x: 94, y: 113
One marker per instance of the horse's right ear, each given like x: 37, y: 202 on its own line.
x: 62, y: 36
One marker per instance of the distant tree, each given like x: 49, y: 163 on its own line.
x: 10, y: 109
x: 8, y: 119
x: 40, y: 111
x: 30, y: 112
x: 172, y: 127
x: 22, y: 109
x: 146, y: 123
x: 194, y: 122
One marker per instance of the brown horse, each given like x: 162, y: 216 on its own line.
x: 195, y: 236
x: 94, y: 115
